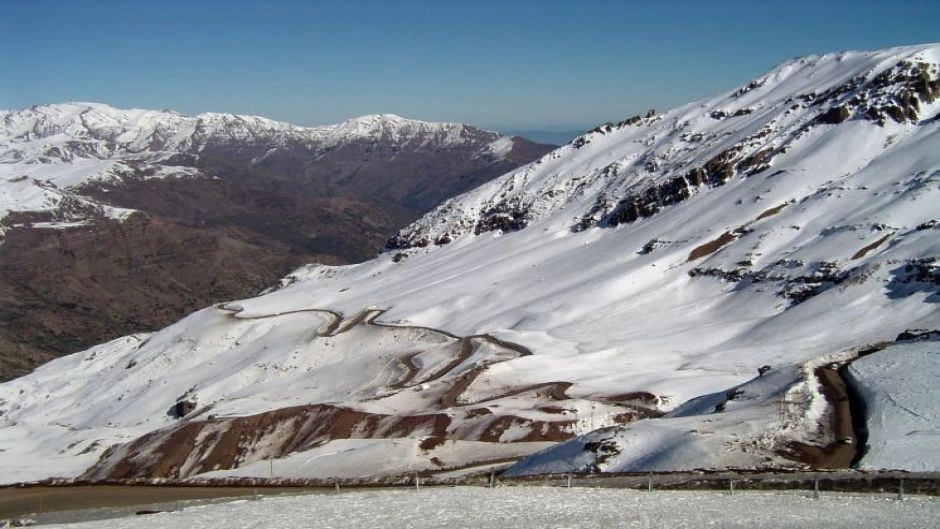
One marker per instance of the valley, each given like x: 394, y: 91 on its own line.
x: 177, y: 212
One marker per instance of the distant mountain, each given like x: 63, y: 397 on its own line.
x: 547, y: 136
x: 115, y: 221
x: 731, y: 284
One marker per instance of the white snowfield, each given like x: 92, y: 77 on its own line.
x: 819, y: 238
x: 541, y: 507
x: 899, y: 386
x: 48, y: 152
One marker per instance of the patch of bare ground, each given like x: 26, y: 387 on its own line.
x: 771, y: 212
x: 728, y: 237
x: 864, y: 251
x: 642, y: 402
x: 534, y: 430
x: 712, y: 246
x: 449, y: 400
x: 196, y: 446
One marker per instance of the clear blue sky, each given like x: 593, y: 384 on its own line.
x: 505, y: 65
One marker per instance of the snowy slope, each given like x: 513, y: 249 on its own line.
x: 651, y: 263
x: 643, y: 305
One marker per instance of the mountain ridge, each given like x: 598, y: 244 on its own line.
x: 134, y: 131
x: 715, y: 161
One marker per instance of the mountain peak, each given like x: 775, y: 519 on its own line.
x: 380, y: 118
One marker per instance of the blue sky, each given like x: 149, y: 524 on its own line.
x: 505, y: 65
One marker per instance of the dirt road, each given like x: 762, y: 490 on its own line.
x: 841, y: 451
x: 16, y: 502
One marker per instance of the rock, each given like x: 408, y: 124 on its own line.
x: 834, y: 115
x: 184, y: 407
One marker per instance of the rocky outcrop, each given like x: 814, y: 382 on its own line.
x: 715, y: 172
x: 503, y: 217
x: 897, y: 93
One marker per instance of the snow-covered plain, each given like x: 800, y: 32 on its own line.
x: 802, y: 240
x: 544, y: 507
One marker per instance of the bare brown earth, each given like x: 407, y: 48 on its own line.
x: 771, y: 212
x: 62, y: 291
x: 864, y: 251
x: 728, y: 237
x: 711, y: 246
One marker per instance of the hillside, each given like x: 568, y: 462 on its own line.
x: 673, y: 291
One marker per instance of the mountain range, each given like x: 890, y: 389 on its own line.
x: 749, y: 281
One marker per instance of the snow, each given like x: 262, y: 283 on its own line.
x: 38, y: 187
x: 501, y: 147
x: 596, y: 310
x: 539, y: 507
x: 898, y: 386
x: 375, y: 458
x: 740, y: 427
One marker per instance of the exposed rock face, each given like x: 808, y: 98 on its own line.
x: 225, y: 206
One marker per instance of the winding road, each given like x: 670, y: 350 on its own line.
x: 337, y: 324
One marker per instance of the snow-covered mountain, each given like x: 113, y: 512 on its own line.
x: 65, y: 132
x: 66, y: 146
x: 679, y: 291
x: 261, y: 196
